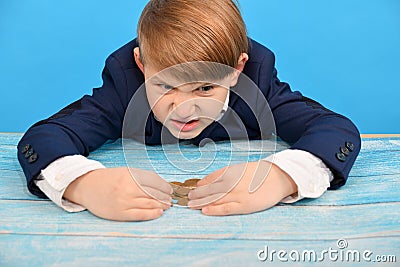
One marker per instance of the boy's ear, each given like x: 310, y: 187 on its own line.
x: 136, y: 54
x: 241, y: 63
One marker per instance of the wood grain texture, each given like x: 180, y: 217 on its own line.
x: 119, y: 251
x: 283, y: 222
x: 366, y: 212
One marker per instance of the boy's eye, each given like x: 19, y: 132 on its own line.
x: 205, y: 88
x: 166, y: 86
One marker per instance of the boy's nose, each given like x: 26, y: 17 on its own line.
x: 184, y: 107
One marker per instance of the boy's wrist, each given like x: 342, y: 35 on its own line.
x: 74, y: 190
x: 284, y: 183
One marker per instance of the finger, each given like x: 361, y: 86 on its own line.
x: 148, y: 203
x: 161, y: 185
x: 211, y: 177
x: 157, y: 195
x: 229, y: 208
x: 140, y: 214
x: 230, y: 176
x: 216, y: 199
x: 223, y: 184
x: 208, y: 190
x: 150, y: 179
x: 202, y: 202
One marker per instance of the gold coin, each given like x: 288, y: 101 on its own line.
x: 181, y: 190
x: 182, y: 201
x: 191, y: 182
x: 178, y: 195
x: 175, y: 186
x: 174, y: 183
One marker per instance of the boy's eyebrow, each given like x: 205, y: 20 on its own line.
x: 157, y: 80
x: 196, y: 85
x: 160, y: 80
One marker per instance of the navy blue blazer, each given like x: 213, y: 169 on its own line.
x: 86, y: 124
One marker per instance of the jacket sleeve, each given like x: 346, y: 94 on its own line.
x: 307, y: 125
x: 80, y: 127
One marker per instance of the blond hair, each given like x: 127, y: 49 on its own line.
x: 172, y: 32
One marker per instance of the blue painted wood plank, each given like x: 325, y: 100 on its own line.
x: 366, y: 212
x: 283, y: 222
x: 45, y: 250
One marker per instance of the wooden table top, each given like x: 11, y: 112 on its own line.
x: 363, y: 218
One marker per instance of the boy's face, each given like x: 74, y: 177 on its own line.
x: 186, y: 109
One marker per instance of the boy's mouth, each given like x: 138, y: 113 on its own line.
x: 185, y: 126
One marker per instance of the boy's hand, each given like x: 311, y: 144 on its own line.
x: 113, y: 194
x: 211, y: 194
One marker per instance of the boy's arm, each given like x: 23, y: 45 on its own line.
x: 308, y: 126
x: 82, y: 126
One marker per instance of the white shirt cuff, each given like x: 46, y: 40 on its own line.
x: 309, y: 172
x: 57, y: 176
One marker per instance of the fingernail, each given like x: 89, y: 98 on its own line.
x: 190, y: 195
x: 160, y: 211
x: 204, y: 210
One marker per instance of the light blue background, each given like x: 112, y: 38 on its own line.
x: 343, y: 53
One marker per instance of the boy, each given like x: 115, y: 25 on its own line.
x: 324, y: 145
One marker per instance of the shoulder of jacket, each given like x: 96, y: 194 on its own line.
x: 259, y: 53
x: 124, y: 55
